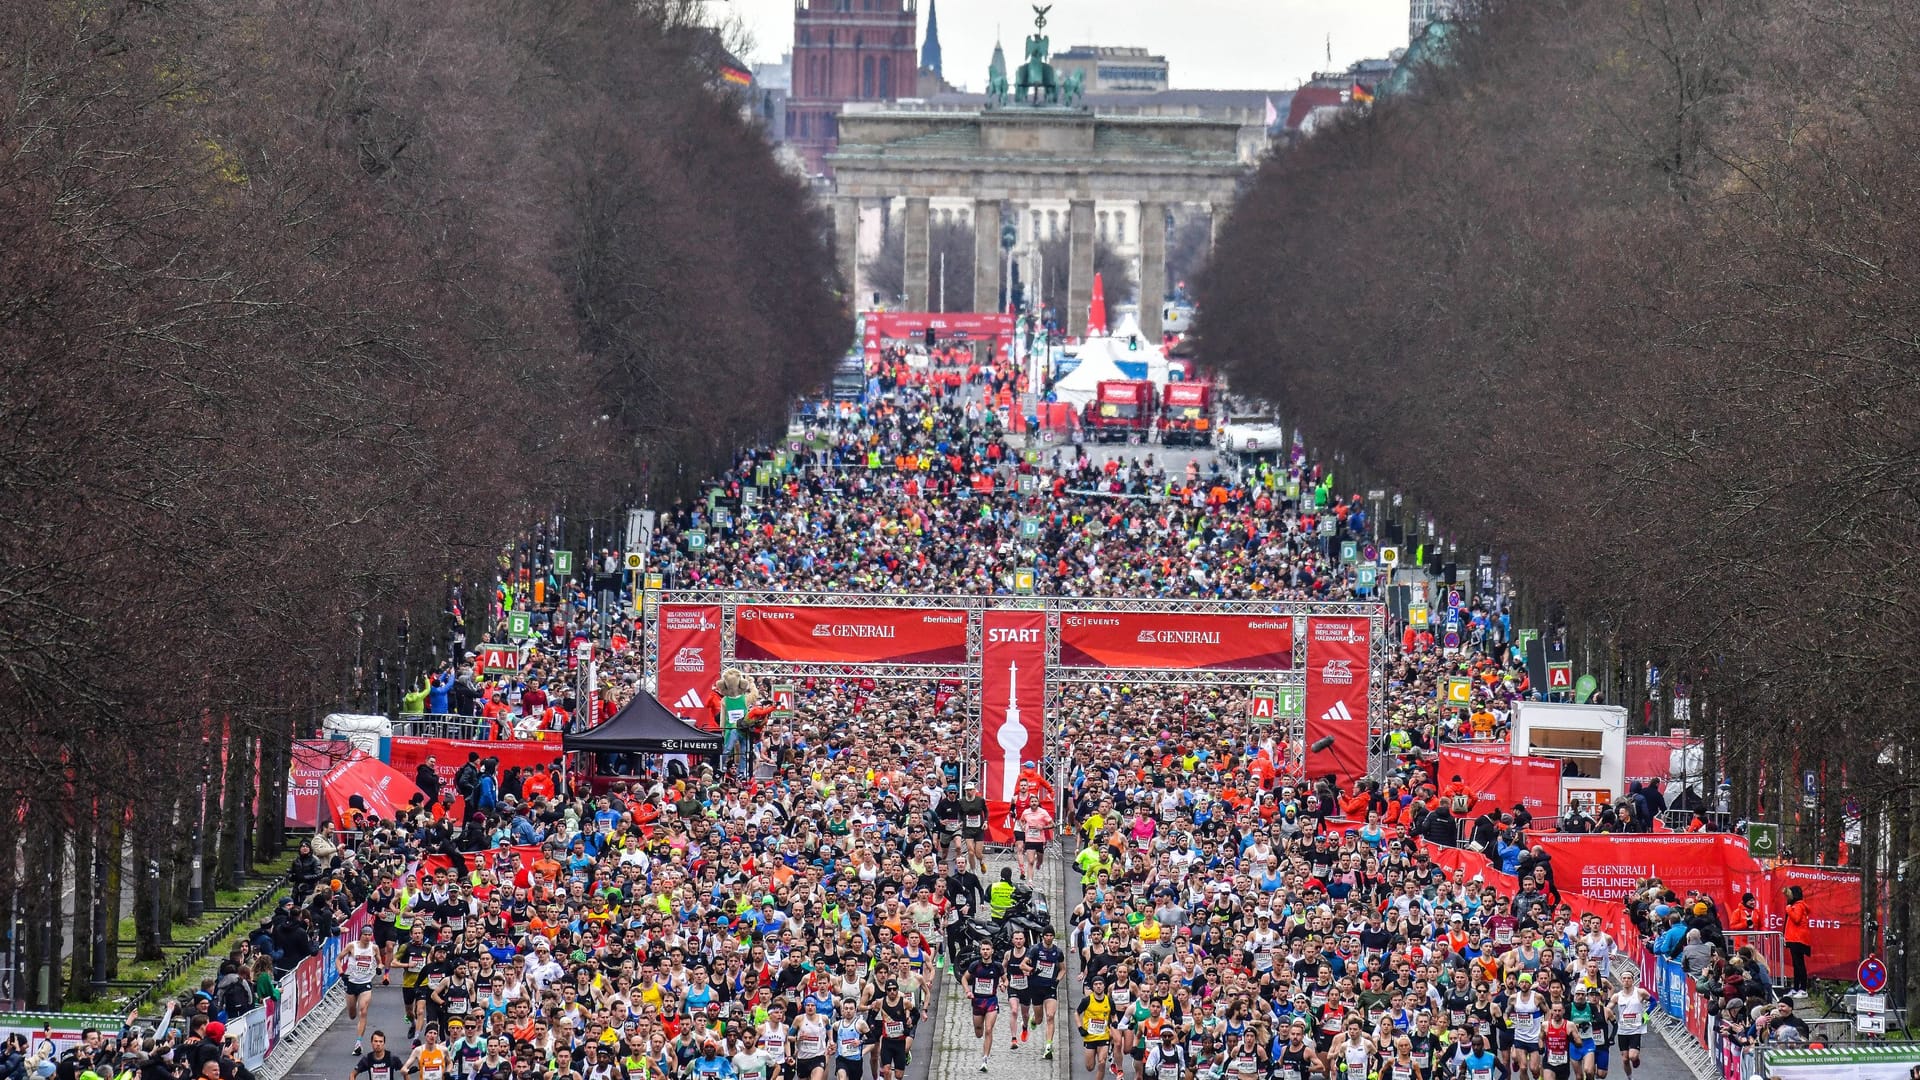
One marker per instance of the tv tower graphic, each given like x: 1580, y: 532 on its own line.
x: 1012, y: 737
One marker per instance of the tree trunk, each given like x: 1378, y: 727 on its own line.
x: 80, y: 971
x: 117, y: 869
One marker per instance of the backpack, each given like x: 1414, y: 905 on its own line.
x: 1461, y: 804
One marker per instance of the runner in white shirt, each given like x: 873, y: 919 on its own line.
x: 1628, y: 1010
x: 1600, y: 945
x: 359, y: 963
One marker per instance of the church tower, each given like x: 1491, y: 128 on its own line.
x: 930, y: 51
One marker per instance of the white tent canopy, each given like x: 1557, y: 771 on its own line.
x: 1099, y: 362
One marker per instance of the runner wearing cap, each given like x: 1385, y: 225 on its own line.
x: 896, y: 1019
x: 1525, y: 1009
x: 1095, y: 1012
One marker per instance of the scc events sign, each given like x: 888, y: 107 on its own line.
x: 1133, y: 639
x: 848, y: 635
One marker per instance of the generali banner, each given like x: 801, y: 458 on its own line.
x: 1338, y: 670
x: 1608, y: 866
x: 1013, y: 702
x: 689, y: 659
x: 1499, y: 780
x: 1175, y: 640
x: 849, y: 635
x: 1833, y: 915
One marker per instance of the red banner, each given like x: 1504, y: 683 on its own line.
x: 689, y: 658
x: 1607, y: 866
x: 1013, y: 701
x: 312, y: 760
x: 407, y: 753
x: 849, y: 635
x: 1499, y: 780
x: 1649, y: 757
x: 1833, y: 912
x: 1338, y: 670
x: 1148, y: 639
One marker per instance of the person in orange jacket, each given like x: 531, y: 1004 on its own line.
x: 1799, y: 935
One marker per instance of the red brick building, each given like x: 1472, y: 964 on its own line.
x: 846, y: 50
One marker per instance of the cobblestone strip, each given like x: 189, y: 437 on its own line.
x: 955, y: 1050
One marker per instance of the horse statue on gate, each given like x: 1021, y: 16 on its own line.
x: 996, y: 86
x: 1072, y: 88
x: 1034, y: 83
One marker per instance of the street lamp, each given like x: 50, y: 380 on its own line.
x: 196, y: 900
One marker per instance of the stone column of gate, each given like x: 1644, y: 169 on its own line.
x: 917, y: 250
x: 987, y: 255
x: 846, y: 241
x: 1079, y: 265
x: 1153, y: 269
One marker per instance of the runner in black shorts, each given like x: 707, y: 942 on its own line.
x: 1019, y: 987
x: 1043, y: 992
x: 897, y: 1021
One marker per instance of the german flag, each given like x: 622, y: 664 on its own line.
x: 734, y: 75
x: 1362, y: 95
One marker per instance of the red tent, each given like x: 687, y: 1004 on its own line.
x: 381, y: 787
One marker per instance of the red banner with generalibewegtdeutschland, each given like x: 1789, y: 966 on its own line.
x: 1149, y: 639
x: 1013, y: 703
x: 689, y: 662
x: 1338, y: 670
x: 849, y: 635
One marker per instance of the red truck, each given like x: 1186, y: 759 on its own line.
x: 1121, y: 411
x: 1186, y: 414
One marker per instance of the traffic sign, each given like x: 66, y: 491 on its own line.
x: 563, y: 563
x: 636, y: 560
x: 1763, y: 840
x: 1870, y: 1014
x: 1560, y: 677
x: 1872, y: 975
x: 1389, y: 556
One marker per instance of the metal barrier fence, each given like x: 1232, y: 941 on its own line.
x: 444, y: 726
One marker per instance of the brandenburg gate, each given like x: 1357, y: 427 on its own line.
x: 1034, y: 140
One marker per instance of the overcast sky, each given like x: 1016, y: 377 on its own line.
x: 1209, y: 44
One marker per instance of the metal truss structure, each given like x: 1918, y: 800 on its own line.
x: 1058, y: 675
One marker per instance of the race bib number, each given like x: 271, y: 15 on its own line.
x: 1096, y: 1029
x: 896, y: 1029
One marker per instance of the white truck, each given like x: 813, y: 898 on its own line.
x: 1251, y: 435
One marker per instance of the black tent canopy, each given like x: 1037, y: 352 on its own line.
x: 645, y: 727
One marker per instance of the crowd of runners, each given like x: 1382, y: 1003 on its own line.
x: 1227, y: 918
